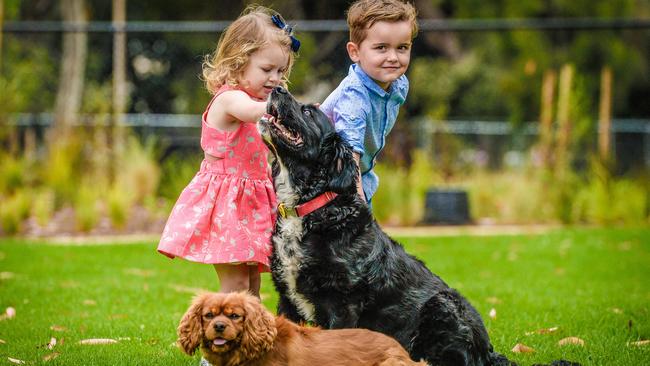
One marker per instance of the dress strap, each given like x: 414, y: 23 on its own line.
x: 222, y: 89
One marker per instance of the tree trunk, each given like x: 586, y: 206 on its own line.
x: 446, y: 42
x: 2, y: 17
x: 73, y: 66
x: 119, y: 80
x: 605, y: 115
x: 546, y: 117
x: 564, y: 118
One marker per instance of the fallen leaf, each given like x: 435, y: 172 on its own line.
x: 644, y: 342
x: 512, y: 256
x: 6, y: 275
x: 493, y: 313
x: 52, y: 343
x: 16, y: 361
x: 58, y: 328
x: 625, y: 246
x: 617, y: 311
x: 51, y: 356
x: 571, y: 340
x: 493, y: 300
x: 543, y: 331
x: 192, y: 290
x: 93, y: 341
x: 117, y: 316
x: 90, y: 302
x: 139, y: 272
x: 2, y: 341
x: 69, y: 284
x: 522, y: 348
x: 9, y: 313
x: 560, y: 271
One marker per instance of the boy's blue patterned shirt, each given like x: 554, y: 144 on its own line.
x: 363, y: 114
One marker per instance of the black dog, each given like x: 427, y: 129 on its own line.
x: 333, y: 265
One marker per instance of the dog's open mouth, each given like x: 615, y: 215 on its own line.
x: 219, y: 341
x: 286, y: 133
x: 216, y: 345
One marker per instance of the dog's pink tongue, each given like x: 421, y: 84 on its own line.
x: 219, y: 342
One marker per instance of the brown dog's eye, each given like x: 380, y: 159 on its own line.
x: 234, y: 316
x: 208, y: 316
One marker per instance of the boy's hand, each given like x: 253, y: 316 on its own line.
x: 357, y: 158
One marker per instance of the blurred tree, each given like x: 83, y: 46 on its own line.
x: 73, y: 66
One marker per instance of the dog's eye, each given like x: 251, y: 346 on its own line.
x: 234, y: 316
x: 208, y: 316
x: 307, y: 112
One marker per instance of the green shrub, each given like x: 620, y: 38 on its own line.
x: 119, y: 204
x: 86, y: 207
x: 177, y: 171
x: 13, y: 211
x: 12, y: 173
x: 138, y: 173
x: 43, y: 206
x: 605, y: 200
x: 62, y: 169
x: 401, y: 194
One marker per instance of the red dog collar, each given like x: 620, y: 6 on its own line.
x: 307, y: 207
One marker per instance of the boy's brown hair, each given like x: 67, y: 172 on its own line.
x: 362, y: 14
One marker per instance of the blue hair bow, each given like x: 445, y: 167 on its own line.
x: 295, y: 43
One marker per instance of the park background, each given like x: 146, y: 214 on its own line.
x: 537, y: 110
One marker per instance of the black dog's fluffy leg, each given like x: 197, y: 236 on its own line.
x: 288, y: 310
x: 335, y: 315
x: 451, y: 333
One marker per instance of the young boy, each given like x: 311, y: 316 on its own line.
x: 364, y: 106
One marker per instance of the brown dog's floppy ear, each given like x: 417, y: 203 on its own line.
x: 259, y: 329
x: 190, y: 329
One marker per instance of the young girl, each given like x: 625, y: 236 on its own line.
x: 225, y: 216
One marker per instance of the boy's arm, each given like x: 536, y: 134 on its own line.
x: 357, y: 159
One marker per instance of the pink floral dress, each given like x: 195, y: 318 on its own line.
x: 227, y: 212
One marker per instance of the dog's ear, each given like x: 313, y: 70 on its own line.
x: 259, y: 329
x: 190, y: 329
x: 343, y: 171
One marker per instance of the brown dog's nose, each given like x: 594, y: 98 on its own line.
x: 219, y: 327
x: 280, y: 90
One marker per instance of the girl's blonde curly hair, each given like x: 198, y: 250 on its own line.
x: 247, y: 34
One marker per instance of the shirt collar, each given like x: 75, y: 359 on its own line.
x: 373, y: 86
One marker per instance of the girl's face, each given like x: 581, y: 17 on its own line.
x: 264, y: 71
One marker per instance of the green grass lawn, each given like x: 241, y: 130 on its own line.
x: 590, y: 283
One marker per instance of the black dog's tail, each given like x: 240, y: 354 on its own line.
x: 451, y: 332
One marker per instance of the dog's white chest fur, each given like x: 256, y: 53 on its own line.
x: 287, y: 246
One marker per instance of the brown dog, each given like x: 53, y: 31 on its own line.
x: 235, y: 329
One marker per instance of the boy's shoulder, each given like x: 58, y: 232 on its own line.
x: 350, y: 91
x: 354, y: 84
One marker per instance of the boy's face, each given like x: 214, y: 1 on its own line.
x: 385, y: 53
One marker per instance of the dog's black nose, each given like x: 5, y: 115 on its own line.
x: 220, y: 327
x: 280, y: 90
